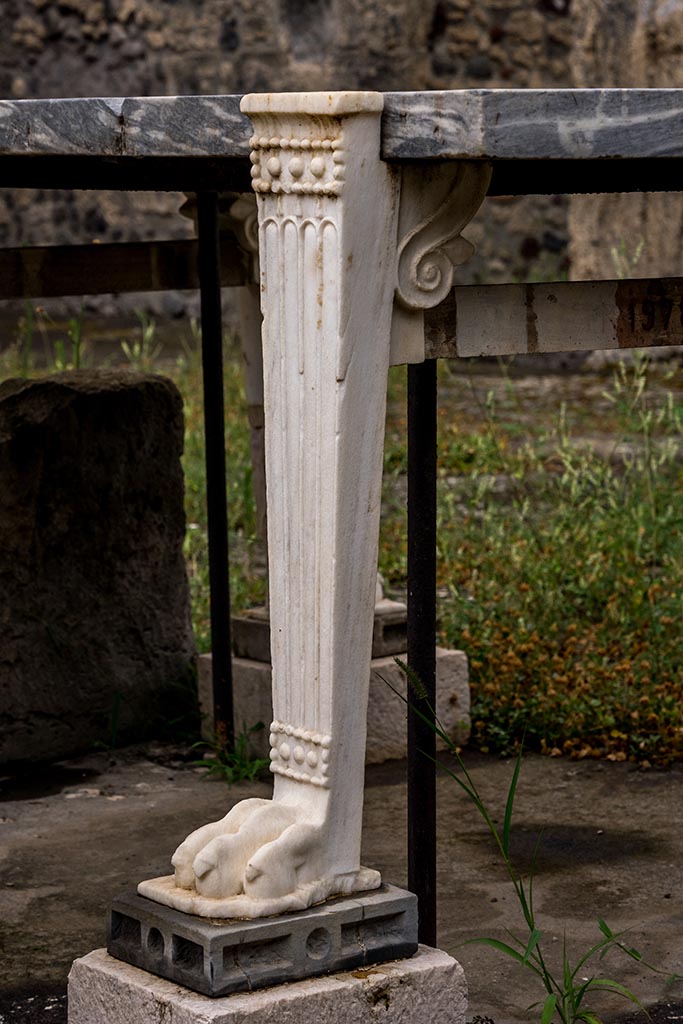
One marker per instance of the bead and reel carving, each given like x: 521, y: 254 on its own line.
x: 300, y: 754
x: 313, y: 167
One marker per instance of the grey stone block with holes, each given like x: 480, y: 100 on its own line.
x: 217, y: 958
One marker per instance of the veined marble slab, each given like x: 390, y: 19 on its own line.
x: 167, y: 126
x: 533, y: 124
x: 473, y: 124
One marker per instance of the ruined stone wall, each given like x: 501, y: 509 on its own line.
x: 143, y: 47
x: 630, y: 44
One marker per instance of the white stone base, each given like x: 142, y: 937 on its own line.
x: 252, y: 684
x: 188, y: 901
x: 429, y: 987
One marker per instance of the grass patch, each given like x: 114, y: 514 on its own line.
x: 561, y: 572
x: 560, y: 560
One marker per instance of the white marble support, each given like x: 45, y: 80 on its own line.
x: 346, y: 272
x: 328, y: 209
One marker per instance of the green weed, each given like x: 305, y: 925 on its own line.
x: 236, y: 764
x: 144, y: 350
x: 73, y: 359
x: 626, y: 260
x: 560, y: 573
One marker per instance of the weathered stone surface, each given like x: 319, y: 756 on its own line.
x: 95, y: 635
x: 627, y: 44
x: 159, y: 126
x: 58, y: 48
x: 251, y: 632
x: 250, y: 635
x: 386, y: 712
x: 428, y: 987
x: 478, y: 124
x: 252, y: 700
x: 218, y: 958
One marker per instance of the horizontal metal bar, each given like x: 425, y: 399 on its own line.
x: 584, y: 177
x: 125, y: 173
x: 44, y: 271
x: 564, y: 316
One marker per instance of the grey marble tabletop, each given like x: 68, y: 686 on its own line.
x: 479, y: 124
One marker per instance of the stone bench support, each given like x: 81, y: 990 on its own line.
x: 352, y: 250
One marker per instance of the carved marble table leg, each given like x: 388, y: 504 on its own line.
x: 327, y: 211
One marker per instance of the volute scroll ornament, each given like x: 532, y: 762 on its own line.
x: 436, y: 205
x: 430, y: 249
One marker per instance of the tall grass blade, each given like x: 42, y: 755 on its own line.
x: 608, y: 985
x: 503, y: 947
x: 531, y: 945
x: 507, y: 822
x: 549, y: 1009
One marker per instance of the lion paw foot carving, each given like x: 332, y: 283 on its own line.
x: 258, y: 849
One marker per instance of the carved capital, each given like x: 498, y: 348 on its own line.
x: 327, y: 208
x: 299, y: 165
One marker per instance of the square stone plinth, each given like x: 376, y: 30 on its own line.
x: 426, y: 988
x: 220, y: 957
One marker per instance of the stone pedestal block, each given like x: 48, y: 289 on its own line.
x: 386, y: 712
x: 95, y: 633
x: 218, y: 958
x: 428, y: 987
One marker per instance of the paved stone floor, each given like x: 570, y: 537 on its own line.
x: 75, y: 834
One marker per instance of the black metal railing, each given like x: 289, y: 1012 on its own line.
x: 422, y: 403
x: 208, y: 260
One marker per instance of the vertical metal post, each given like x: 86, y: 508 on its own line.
x: 422, y: 641
x: 214, y: 432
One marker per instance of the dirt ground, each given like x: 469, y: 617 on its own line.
x: 75, y: 834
